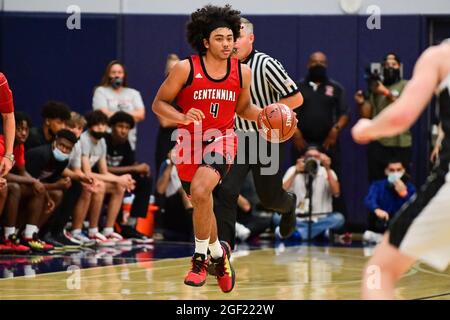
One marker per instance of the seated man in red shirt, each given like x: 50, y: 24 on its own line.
x: 7, y: 111
x: 25, y: 192
x: 6, y: 156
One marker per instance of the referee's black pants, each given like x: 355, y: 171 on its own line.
x: 268, y: 187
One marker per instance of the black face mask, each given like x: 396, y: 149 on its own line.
x: 116, y: 82
x: 317, y: 73
x: 97, y: 134
x: 391, y: 76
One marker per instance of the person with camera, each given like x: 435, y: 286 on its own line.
x: 384, y: 89
x: 312, y: 178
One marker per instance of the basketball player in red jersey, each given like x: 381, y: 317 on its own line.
x: 209, y: 88
x: 9, y: 125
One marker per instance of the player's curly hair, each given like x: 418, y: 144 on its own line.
x: 202, y: 22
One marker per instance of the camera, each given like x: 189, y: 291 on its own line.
x: 311, y: 166
x: 373, y: 76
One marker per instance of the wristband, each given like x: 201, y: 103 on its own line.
x: 403, y: 193
x: 10, y: 157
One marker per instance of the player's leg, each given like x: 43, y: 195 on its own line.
x: 383, y: 270
x: 203, y: 183
x: 225, y: 202
x: 269, y: 188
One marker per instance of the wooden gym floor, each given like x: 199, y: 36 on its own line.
x: 297, y: 272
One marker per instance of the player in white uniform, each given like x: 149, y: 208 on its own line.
x: 421, y: 230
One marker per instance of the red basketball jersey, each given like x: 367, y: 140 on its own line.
x: 217, y: 99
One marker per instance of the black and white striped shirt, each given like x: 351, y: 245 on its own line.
x: 270, y: 83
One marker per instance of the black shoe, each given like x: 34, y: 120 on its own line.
x: 48, y: 238
x: 128, y: 232
x: 66, y: 242
x: 289, y: 219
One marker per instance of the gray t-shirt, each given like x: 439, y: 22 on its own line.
x: 127, y: 100
x: 85, y: 146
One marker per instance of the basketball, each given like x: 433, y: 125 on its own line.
x: 277, y: 122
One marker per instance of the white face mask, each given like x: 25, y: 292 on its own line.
x: 59, y: 155
x: 394, y: 176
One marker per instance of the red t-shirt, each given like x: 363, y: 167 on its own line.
x: 18, y: 151
x: 6, y: 97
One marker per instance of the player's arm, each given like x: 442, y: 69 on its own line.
x: 244, y: 108
x: 401, y: 114
x: 167, y: 93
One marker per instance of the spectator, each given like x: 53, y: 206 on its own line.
x: 54, y: 230
x: 316, y: 166
x: 54, y: 116
x: 164, y: 142
x: 177, y: 208
x: 114, y: 95
x: 385, y: 198
x: 324, y: 112
x: 25, y: 194
x: 90, y: 157
x: 48, y: 163
x: 76, y: 124
x: 121, y: 160
x: 381, y: 95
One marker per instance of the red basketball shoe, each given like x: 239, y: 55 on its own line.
x: 224, y: 271
x: 197, y: 276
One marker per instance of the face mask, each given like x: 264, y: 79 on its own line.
x: 59, y: 155
x: 394, y: 176
x: 116, y: 82
x: 97, y: 134
x: 317, y: 73
x: 391, y: 76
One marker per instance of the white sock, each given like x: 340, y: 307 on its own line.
x: 76, y: 232
x: 30, y: 229
x: 107, y: 231
x: 9, y: 231
x: 216, y: 250
x: 201, y: 246
x: 93, y: 231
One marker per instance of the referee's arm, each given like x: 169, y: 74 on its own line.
x: 280, y: 81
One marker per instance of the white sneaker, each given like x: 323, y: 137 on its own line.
x: 118, y: 239
x: 79, y: 238
x: 101, y: 240
x: 372, y: 237
x: 242, y: 232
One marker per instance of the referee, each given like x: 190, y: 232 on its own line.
x: 270, y: 84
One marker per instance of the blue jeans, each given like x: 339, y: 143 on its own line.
x: 332, y: 221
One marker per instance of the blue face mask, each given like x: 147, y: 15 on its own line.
x: 394, y: 176
x: 59, y: 155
